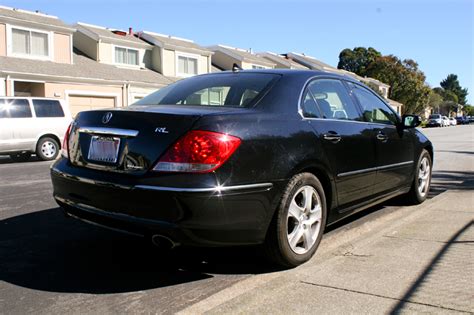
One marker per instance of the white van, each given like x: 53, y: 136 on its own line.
x: 32, y: 125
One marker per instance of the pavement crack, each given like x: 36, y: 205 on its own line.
x: 382, y: 296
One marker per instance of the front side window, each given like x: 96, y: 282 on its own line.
x: 229, y: 89
x: 126, y: 56
x: 374, y: 109
x: 15, y: 108
x: 48, y: 108
x: 329, y: 99
x: 26, y: 42
x: 187, y: 66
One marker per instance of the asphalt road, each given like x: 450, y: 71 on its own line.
x: 51, y: 264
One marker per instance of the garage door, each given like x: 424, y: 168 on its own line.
x: 79, y: 103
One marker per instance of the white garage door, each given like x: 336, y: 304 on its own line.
x: 79, y: 103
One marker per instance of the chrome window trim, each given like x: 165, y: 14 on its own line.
x: 378, y: 168
x: 108, y: 131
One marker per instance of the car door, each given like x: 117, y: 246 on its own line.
x: 394, y: 146
x: 23, y: 124
x: 6, y: 128
x: 344, y: 136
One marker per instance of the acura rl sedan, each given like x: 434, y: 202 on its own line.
x: 266, y: 157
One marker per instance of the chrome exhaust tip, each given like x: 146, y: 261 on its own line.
x: 163, y: 242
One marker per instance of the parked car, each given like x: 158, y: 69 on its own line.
x: 452, y: 121
x: 446, y: 122
x: 32, y: 125
x: 268, y: 163
x: 462, y: 120
x: 435, y: 120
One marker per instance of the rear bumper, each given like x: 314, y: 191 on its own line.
x: 199, y: 216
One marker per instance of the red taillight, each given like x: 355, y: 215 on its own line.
x: 65, y: 146
x: 198, y: 152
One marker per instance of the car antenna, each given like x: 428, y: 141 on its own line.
x: 236, y: 68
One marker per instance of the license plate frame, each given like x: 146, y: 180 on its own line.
x: 104, y: 149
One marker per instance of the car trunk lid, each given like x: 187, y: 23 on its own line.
x: 130, y: 140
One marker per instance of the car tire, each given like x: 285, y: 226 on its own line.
x: 422, y: 180
x: 47, y: 149
x: 298, y: 224
x: 20, y: 157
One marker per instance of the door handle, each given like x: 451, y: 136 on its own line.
x: 382, y: 137
x: 333, y: 137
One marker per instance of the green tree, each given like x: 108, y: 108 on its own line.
x: 434, y: 101
x: 358, y: 59
x: 451, y: 83
x: 468, y: 110
x: 407, y: 82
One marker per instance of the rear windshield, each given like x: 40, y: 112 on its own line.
x: 230, y: 89
x: 435, y: 116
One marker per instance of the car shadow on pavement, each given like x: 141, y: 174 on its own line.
x: 46, y: 251
x: 5, y: 159
x: 448, y: 180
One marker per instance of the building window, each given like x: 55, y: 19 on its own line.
x: 29, y: 43
x: 257, y: 67
x: 187, y: 66
x: 126, y: 56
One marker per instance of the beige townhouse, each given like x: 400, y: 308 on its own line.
x: 39, y: 57
x: 313, y: 63
x: 225, y: 57
x: 177, y: 57
x: 281, y: 61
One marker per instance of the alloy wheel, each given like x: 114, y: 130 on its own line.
x: 424, y: 174
x: 304, y: 219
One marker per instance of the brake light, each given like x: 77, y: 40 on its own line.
x: 65, y: 146
x: 198, y: 152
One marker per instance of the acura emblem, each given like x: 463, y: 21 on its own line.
x: 107, y: 117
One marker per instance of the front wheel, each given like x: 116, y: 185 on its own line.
x: 298, y: 224
x: 422, y: 181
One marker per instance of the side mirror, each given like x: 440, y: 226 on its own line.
x: 410, y: 121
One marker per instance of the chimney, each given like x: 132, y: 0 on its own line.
x: 130, y: 31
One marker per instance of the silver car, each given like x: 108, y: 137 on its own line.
x: 32, y: 125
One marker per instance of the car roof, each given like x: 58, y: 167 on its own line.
x: 292, y: 72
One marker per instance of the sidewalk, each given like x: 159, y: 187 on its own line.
x: 416, y: 259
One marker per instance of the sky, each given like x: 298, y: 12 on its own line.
x: 439, y: 35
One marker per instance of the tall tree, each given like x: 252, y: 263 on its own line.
x: 451, y: 83
x: 358, y: 59
x: 407, y: 82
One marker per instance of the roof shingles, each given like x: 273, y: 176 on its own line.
x: 83, y: 68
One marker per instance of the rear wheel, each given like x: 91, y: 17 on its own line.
x: 298, y: 224
x: 20, y: 157
x: 422, y: 181
x: 47, y: 149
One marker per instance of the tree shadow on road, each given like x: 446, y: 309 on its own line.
x: 437, y: 271
x: 46, y: 251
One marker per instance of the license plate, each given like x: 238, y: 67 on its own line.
x: 104, y: 149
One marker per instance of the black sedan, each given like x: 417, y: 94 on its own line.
x: 246, y: 157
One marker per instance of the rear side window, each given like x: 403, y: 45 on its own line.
x: 328, y: 98
x: 230, y: 89
x: 374, y: 109
x: 14, y: 108
x: 48, y: 108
